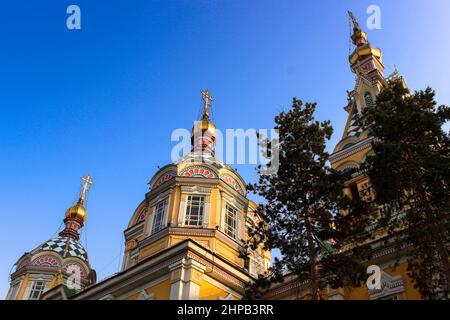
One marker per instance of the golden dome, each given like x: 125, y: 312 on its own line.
x: 77, y: 211
x: 204, y: 125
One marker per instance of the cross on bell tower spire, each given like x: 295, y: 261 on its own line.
x: 355, y: 23
x: 359, y: 37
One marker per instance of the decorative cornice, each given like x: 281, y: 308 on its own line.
x: 188, y: 232
x: 361, y: 145
x: 134, y: 231
x: 389, y: 285
x: 158, y: 264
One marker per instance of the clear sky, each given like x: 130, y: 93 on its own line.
x: 105, y: 99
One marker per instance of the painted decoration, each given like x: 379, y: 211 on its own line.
x: 232, y: 183
x: 74, y: 266
x: 46, y: 261
x: 198, y: 171
x: 355, y: 128
x: 164, y: 178
x: 253, y: 216
x: 142, y: 215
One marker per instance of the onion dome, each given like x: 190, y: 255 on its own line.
x: 77, y: 211
x: 67, y: 244
x: 76, y: 215
x: 204, y: 131
x: 57, y: 259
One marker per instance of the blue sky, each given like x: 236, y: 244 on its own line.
x: 105, y: 99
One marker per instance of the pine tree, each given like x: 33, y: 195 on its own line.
x: 304, y: 206
x: 410, y: 171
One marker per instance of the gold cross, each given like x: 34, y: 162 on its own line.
x: 87, y: 182
x: 207, y: 99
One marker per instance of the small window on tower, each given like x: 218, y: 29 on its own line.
x: 159, y: 216
x: 195, y: 211
x: 231, y: 216
x: 368, y: 99
x: 253, y: 268
x: 36, y: 290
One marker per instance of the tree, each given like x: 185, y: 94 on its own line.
x: 410, y: 171
x: 304, y: 209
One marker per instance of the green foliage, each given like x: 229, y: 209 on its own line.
x: 410, y: 172
x: 303, y: 204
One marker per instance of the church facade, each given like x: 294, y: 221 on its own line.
x: 184, y: 240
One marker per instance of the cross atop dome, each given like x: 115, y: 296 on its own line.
x: 207, y: 100
x: 87, y: 182
x: 76, y: 215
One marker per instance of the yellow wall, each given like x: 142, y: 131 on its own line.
x: 161, y: 291
x: 154, y: 248
x: 214, y: 214
x: 23, y: 287
x: 410, y: 293
x: 174, y: 208
x: 210, y: 292
x: 214, y: 244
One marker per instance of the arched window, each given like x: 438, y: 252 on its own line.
x: 368, y: 99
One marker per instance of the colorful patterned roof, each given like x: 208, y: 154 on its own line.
x: 66, y: 247
x: 355, y: 128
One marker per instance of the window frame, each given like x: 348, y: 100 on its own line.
x: 34, y: 289
x: 159, y: 213
x: 368, y: 99
x: 13, y: 291
x: 226, y: 227
x: 201, y: 214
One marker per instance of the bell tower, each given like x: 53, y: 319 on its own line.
x: 367, y: 64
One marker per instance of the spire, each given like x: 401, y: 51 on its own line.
x: 356, y: 26
x: 204, y: 131
x: 76, y: 215
x: 365, y: 58
x: 358, y: 37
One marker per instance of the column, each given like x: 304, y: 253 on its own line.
x: 185, y: 279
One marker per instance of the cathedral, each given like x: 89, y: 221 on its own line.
x: 184, y: 240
